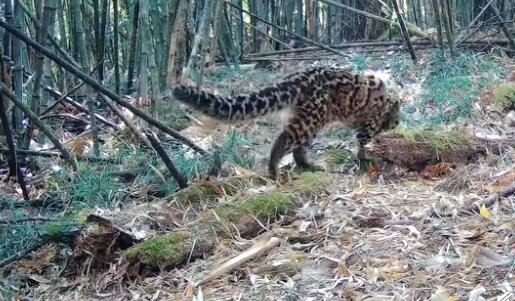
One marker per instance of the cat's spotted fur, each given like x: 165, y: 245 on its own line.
x: 316, y: 97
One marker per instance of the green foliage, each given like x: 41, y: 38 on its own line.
x: 402, y: 66
x: 92, y: 188
x: 61, y: 229
x: 503, y: 96
x: 263, y: 206
x: 451, y: 86
x: 359, y: 62
x: 309, y: 182
x: 338, y: 156
x: 17, y: 236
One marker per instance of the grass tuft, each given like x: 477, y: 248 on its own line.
x: 503, y: 96
x: 439, y: 140
x: 452, y: 84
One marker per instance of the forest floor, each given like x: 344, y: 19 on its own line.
x: 349, y: 233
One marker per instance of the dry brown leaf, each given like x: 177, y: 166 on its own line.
x: 437, y: 170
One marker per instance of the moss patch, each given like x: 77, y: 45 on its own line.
x: 503, y: 96
x: 308, y: 182
x: 199, y: 192
x: 163, y: 250
x: 202, y: 191
x: 440, y: 141
x: 262, y: 206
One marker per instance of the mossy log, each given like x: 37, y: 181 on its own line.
x: 416, y: 149
x: 244, y: 217
x: 159, y: 237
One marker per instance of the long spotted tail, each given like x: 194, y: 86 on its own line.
x: 239, y: 107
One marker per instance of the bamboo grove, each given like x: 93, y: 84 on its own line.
x: 89, y: 53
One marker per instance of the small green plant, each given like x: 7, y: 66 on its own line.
x: 338, y: 156
x: 402, y: 66
x: 93, y: 188
x: 451, y: 86
x: 503, y: 96
x: 359, y: 62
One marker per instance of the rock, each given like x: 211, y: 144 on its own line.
x: 509, y: 119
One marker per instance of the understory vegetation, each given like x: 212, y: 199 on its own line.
x: 117, y: 183
x: 449, y: 86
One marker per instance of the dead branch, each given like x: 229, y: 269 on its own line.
x: 26, y: 220
x: 368, y: 44
x: 58, y: 95
x: 491, y: 199
x: 503, y: 25
x: 64, y: 97
x: 126, y: 121
x: 64, y: 151
x: 46, y: 154
x: 465, y: 36
x: 183, y: 183
x: 368, y: 15
x: 20, y: 254
x: 255, y: 251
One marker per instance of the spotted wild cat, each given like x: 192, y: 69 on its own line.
x: 316, y: 98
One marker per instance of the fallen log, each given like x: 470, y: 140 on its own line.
x: 159, y: 237
x: 416, y: 149
x: 369, y: 44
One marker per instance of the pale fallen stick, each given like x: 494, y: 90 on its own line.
x: 255, y: 251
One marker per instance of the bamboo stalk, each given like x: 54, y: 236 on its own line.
x: 262, y: 32
x: 49, y: 9
x: 116, y: 51
x: 14, y: 168
x: 290, y: 33
x: 183, y: 183
x: 404, y: 31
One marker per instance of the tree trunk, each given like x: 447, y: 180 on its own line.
x: 404, y: 31
x: 447, y: 17
x: 176, y: 53
x: 116, y: 50
x: 196, y: 57
x: 47, y: 23
x: 18, y: 57
x: 132, y: 49
x: 83, y: 55
x: 438, y: 23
